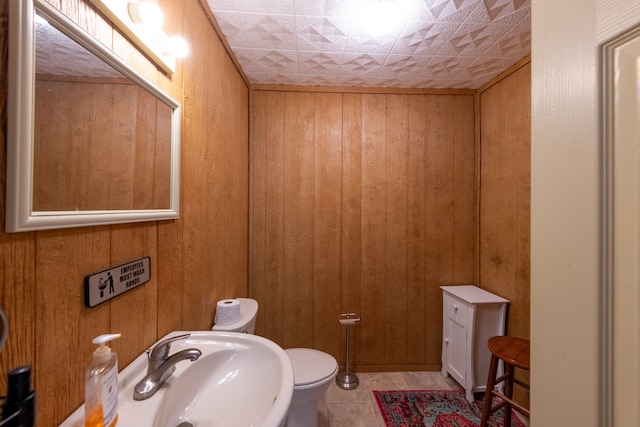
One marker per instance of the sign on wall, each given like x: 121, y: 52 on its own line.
x: 104, y: 285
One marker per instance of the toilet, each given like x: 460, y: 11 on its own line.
x: 313, y: 370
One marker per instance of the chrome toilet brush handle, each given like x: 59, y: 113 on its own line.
x: 347, y: 380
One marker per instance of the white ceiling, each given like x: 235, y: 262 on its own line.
x: 438, y: 43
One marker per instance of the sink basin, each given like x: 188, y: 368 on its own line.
x: 240, y: 380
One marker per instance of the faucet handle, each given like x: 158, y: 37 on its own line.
x: 161, y: 351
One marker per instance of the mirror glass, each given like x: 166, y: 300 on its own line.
x: 94, y: 142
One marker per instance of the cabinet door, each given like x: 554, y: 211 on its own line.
x: 457, y: 348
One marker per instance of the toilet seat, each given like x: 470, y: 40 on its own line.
x: 311, y: 366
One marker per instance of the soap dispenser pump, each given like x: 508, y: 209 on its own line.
x: 101, y: 385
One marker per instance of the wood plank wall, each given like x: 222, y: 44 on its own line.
x: 196, y: 260
x: 361, y: 202
x: 505, y: 193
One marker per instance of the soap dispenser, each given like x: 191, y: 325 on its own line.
x: 101, y: 385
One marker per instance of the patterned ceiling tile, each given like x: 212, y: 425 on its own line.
x: 275, y: 7
x: 451, y: 10
x: 324, y: 42
x: 322, y: 33
x: 362, y: 63
x: 315, y: 80
x: 320, y: 63
x: 444, y: 67
x: 421, y: 37
x: 485, y: 66
x: 468, y: 40
x: 516, y: 46
x: 268, y: 60
x: 274, y: 78
x: 336, y: 8
x: 500, y: 8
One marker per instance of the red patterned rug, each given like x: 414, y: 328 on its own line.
x: 434, y: 408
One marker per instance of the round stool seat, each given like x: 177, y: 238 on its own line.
x: 514, y: 351
x: 311, y: 366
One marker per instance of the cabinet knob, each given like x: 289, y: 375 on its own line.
x: 446, y: 340
x: 455, y: 307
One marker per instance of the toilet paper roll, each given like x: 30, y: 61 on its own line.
x: 227, y: 312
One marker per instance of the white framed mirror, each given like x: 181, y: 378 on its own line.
x: 91, y: 141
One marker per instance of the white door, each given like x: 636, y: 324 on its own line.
x: 581, y: 360
x: 621, y: 140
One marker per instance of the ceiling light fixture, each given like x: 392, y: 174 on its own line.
x: 147, y: 13
x: 381, y: 17
x: 142, y: 22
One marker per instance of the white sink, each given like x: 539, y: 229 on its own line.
x: 240, y: 380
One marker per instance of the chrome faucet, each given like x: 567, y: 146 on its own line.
x: 161, y: 366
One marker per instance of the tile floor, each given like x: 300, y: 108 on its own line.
x: 358, y: 408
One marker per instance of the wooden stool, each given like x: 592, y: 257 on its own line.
x: 514, y: 352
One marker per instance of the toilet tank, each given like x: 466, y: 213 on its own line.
x: 247, y: 322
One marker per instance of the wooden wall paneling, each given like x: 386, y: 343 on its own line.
x: 439, y: 111
x: 351, y: 220
x: 442, y: 189
x: 17, y: 296
x: 407, y: 179
x: 170, y: 271
x: 298, y: 219
x: 267, y: 207
x: 63, y: 327
x: 327, y: 224
x: 170, y: 261
x: 505, y: 194
x: 236, y: 134
x: 505, y: 133
x: 134, y: 314
x: 257, y: 205
x: 372, y: 326
x: 199, y: 154
x: 464, y: 190
x: 417, y: 325
x: 522, y: 311
x: 173, y: 248
x: 395, y: 228
x: 216, y: 174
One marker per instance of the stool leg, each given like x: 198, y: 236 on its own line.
x: 508, y: 391
x: 491, y: 382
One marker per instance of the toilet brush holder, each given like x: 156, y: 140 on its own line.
x: 347, y: 380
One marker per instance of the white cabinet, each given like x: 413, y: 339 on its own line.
x: 470, y: 317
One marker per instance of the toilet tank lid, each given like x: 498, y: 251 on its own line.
x: 310, y: 366
x: 248, y: 312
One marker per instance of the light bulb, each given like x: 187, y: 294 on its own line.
x: 178, y: 46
